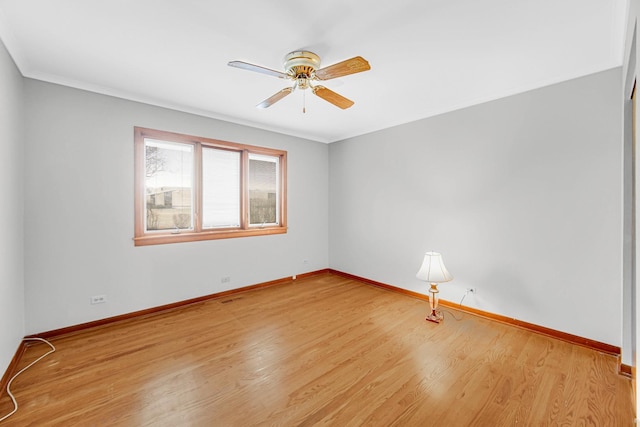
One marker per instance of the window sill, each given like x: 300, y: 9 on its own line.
x: 161, y: 239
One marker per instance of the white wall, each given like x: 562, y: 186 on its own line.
x: 79, y: 212
x: 11, y: 244
x: 523, y: 196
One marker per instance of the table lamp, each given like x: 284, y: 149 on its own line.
x: 433, y: 271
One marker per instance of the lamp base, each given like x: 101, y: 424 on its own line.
x: 435, y: 317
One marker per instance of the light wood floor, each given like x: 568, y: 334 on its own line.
x: 319, y: 351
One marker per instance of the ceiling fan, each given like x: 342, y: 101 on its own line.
x: 303, y: 67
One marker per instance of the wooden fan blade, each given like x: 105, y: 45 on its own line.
x: 332, y: 97
x: 275, y: 98
x: 344, y: 68
x: 258, y: 69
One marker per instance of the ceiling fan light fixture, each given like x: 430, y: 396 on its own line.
x: 302, y: 82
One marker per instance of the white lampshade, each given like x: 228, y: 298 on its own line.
x: 433, y: 269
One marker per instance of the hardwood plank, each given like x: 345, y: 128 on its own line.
x: 326, y: 350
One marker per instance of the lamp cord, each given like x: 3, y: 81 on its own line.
x: 460, y: 305
x: 453, y: 315
x: 13, y: 399
x: 463, y: 296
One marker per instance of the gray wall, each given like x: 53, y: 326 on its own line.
x: 630, y: 69
x: 523, y: 196
x: 629, y: 239
x: 628, y: 254
x: 79, y: 212
x: 11, y: 215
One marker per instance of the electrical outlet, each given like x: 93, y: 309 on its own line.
x: 225, y: 279
x: 98, y: 299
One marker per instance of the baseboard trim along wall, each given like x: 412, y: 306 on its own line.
x: 627, y: 370
x: 574, y: 339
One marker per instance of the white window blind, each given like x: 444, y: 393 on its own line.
x: 220, y: 188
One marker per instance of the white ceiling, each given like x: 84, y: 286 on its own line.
x: 427, y: 56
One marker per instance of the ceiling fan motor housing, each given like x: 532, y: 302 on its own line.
x: 301, y: 64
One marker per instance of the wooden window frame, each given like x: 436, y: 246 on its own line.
x: 144, y: 238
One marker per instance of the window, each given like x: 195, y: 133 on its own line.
x: 190, y: 188
x: 263, y: 190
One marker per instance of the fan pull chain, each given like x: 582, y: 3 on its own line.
x: 304, y: 102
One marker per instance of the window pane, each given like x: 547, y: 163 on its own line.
x: 168, y: 185
x: 220, y: 188
x: 263, y: 190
